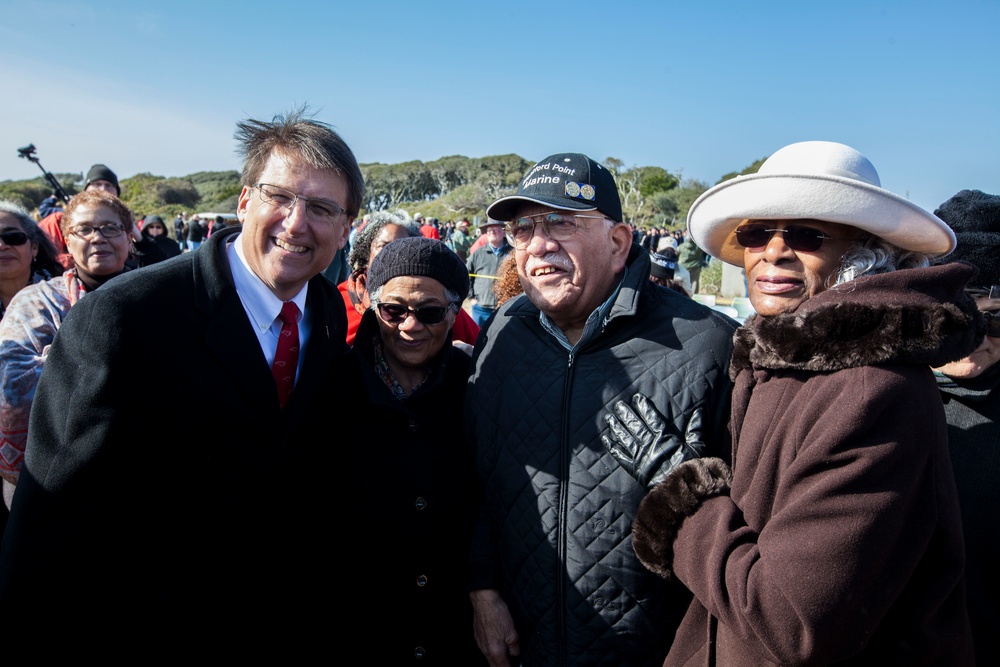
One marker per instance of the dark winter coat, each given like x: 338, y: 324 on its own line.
x: 415, y: 508
x: 972, y: 407
x: 204, y: 533
x: 840, y: 541
x: 153, y: 249
x: 554, y: 536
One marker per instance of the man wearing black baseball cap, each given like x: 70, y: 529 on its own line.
x: 554, y: 577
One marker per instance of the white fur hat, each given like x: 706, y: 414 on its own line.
x: 821, y: 180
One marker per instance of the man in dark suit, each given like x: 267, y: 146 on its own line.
x: 130, y: 530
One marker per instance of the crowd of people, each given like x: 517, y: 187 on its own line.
x: 519, y: 444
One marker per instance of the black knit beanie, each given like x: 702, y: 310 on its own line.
x: 975, y: 218
x: 100, y: 172
x: 419, y: 256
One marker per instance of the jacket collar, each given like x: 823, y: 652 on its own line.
x: 910, y: 316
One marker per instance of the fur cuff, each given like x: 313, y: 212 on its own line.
x: 664, y: 508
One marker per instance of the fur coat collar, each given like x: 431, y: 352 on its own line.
x: 910, y: 316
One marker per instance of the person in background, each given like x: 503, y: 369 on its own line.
x: 180, y: 230
x: 667, y: 246
x: 461, y: 239
x: 508, y: 284
x: 484, y: 268
x: 155, y: 244
x: 195, y: 232
x: 98, y: 177
x: 96, y: 227
x: 970, y: 388
x: 693, y: 259
x: 382, y: 228
x: 50, y: 205
x: 428, y: 226
x: 836, y: 537
x: 203, y: 535
x: 27, y: 257
x: 26, y: 253
x: 406, y: 382
x: 662, y: 268
x: 216, y: 225
x: 553, y: 576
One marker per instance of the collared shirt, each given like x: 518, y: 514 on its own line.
x: 262, y: 307
x: 594, y: 325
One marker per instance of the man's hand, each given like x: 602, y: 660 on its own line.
x: 494, y: 629
x: 641, y: 441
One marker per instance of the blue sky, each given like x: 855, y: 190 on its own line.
x: 699, y: 88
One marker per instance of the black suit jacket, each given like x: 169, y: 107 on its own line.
x: 202, y: 531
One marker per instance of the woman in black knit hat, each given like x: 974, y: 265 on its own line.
x: 971, y: 396
x: 405, y: 384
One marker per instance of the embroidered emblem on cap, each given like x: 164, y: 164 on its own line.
x: 577, y: 191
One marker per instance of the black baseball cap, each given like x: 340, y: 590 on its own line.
x: 662, y: 266
x: 565, y: 181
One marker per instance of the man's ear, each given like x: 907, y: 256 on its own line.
x: 241, y: 206
x: 621, y: 239
x: 346, y: 234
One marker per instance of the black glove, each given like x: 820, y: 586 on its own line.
x: 641, y: 441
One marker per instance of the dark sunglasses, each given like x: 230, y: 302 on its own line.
x: 393, y: 313
x: 805, y: 239
x: 14, y: 237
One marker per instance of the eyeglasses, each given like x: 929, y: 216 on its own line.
x: 557, y: 226
x: 109, y: 231
x: 320, y: 210
x: 805, y: 239
x: 13, y: 237
x: 393, y: 313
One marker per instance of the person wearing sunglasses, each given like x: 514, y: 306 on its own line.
x: 554, y: 579
x: 835, y: 535
x: 405, y: 383
x: 27, y: 256
x: 155, y: 245
x: 970, y: 388
x: 382, y: 228
x: 95, y: 225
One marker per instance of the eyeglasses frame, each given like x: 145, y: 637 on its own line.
x: 297, y: 198
x: 77, y: 231
x: 545, y: 226
x: 415, y: 312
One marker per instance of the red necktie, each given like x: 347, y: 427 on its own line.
x: 286, y: 355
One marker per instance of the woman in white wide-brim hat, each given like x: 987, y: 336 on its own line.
x: 836, y: 535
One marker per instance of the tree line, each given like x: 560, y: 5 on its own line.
x: 449, y: 188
